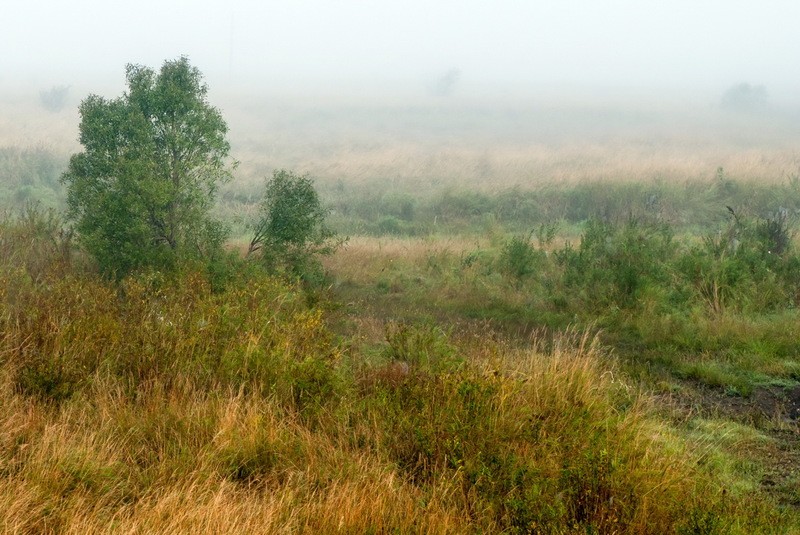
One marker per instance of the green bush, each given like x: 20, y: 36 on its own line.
x: 399, y: 205
x: 747, y: 266
x: 55, y: 98
x: 519, y: 258
x: 291, y: 231
x: 463, y: 205
x: 424, y: 346
x: 389, y: 225
x: 614, y: 263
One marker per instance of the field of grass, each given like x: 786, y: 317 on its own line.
x: 582, y: 325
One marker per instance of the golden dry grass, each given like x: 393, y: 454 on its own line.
x: 106, y: 464
x: 478, y: 439
x: 362, y: 259
x: 489, y: 168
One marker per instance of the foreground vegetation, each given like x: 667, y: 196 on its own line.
x: 166, y: 404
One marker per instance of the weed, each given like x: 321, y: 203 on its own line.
x: 519, y: 258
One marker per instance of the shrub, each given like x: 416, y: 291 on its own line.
x: 520, y: 258
x: 745, y: 97
x: 614, y: 263
x: 463, y: 205
x: 54, y: 99
x: 398, y: 205
x: 291, y: 230
x: 748, y: 264
x: 36, y: 241
x: 389, y: 225
x: 424, y: 346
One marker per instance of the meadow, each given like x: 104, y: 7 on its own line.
x: 547, y: 319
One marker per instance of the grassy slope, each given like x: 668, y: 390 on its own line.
x: 162, y: 406
x: 153, y: 409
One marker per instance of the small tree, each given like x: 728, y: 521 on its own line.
x: 54, y: 99
x: 291, y: 230
x: 745, y: 98
x: 140, y: 193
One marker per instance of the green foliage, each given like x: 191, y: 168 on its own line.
x: 424, y: 346
x: 774, y: 233
x: 122, y: 395
x: 257, y: 333
x: 141, y: 192
x: 520, y: 258
x: 383, y: 209
x: 291, y: 230
x: 398, y: 205
x: 613, y: 263
x: 440, y: 423
x: 534, y: 449
x: 459, y: 205
x: 30, y: 175
x: 389, y: 225
x: 748, y: 265
x: 37, y: 244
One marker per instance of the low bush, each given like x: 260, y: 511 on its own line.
x: 614, y: 263
x: 291, y: 232
x: 519, y: 258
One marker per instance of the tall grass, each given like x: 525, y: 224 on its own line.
x: 159, y: 405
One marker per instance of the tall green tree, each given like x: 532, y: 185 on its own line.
x: 141, y: 192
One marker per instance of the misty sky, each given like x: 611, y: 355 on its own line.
x: 503, y: 43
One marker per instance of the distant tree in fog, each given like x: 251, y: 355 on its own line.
x: 745, y: 98
x: 55, y: 98
x: 446, y: 83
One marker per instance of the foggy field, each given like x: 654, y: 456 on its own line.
x: 492, y: 144
x: 422, y: 147
x: 548, y: 317
x: 530, y: 135
x: 484, y: 146
x: 455, y: 267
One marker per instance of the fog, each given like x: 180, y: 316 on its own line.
x: 469, y: 92
x: 504, y: 49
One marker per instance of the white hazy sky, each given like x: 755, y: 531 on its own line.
x: 703, y: 44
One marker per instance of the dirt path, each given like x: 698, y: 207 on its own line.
x: 772, y: 411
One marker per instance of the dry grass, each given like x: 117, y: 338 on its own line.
x: 160, y: 461
x: 106, y: 463
x: 481, y: 148
x: 162, y: 407
x: 493, y: 167
x: 362, y: 259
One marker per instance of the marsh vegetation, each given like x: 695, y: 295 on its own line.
x: 545, y: 319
